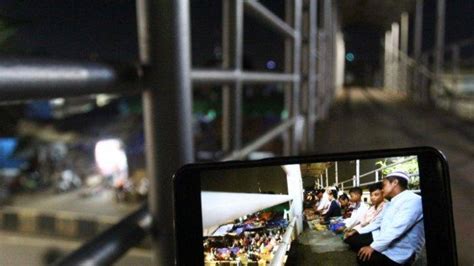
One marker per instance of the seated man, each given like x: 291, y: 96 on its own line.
x: 358, y: 208
x: 322, y: 206
x: 397, y: 235
x: 377, y: 200
x: 344, y: 203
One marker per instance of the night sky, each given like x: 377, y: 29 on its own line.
x: 106, y: 30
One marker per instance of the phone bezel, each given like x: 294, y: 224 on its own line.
x: 436, y: 198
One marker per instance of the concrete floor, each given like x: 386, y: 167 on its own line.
x: 371, y: 119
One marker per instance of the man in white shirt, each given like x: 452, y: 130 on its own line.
x: 397, y: 235
x: 323, y: 204
x: 359, y: 208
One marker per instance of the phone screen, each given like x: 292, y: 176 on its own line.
x: 319, y: 213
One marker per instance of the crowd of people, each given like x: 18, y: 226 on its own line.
x: 389, y: 231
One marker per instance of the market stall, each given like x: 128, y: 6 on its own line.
x: 248, y: 229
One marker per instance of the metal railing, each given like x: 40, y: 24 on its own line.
x: 164, y: 77
x: 426, y: 86
x: 355, y: 180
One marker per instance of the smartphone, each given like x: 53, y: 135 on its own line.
x: 384, y: 206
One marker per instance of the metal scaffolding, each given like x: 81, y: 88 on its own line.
x: 165, y: 79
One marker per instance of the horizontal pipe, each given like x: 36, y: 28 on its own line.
x: 29, y: 78
x: 112, y: 244
x: 260, y: 12
x: 215, y: 76
x: 264, y: 139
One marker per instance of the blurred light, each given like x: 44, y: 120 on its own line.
x: 211, y: 115
x: 271, y: 64
x: 111, y: 159
x: 102, y: 99
x: 58, y: 101
x: 350, y: 57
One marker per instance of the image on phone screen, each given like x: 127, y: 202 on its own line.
x: 346, y: 212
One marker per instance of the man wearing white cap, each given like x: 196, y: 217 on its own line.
x: 397, y: 235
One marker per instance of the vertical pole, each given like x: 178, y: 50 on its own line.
x: 404, y: 49
x: 425, y: 90
x: 287, y: 136
x: 327, y: 177
x: 376, y: 176
x: 328, y: 54
x: 439, y: 43
x: 295, y: 95
x: 354, y: 181
x: 321, y: 180
x: 312, y: 82
x: 418, y: 41
x: 387, y: 60
x: 232, y: 60
x: 395, y: 46
x: 455, y: 54
x: 357, y: 172
x: 337, y: 174
x: 164, y: 38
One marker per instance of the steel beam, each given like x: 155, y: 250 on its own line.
x: 264, y: 139
x: 232, y: 42
x: 30, y: 78
x: 216, y: 76
x: 110, y: 245
x: 417, y: 45
x: 296, y: 86
x: 261, y: 13
x: 439, y: 42
x: 167, y: 110
x: 289, y: 15
x: 404, y: 48
x: 312, y: 81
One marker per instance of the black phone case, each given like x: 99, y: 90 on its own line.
x: 435, y: 187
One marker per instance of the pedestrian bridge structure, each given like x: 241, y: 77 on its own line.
x: 421, y: 99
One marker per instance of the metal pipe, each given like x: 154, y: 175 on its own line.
x: 327, y: 177
x: 312, y: 81
x: 295, y: 92
x: 264, y: 139
x: 216, y: 76
x: 289, y: 14
x: 404, y: 49
x: 357, y: 172
x: 439, y: 42
x: 337, y: 174
x: 394, y: 58
x: 112, y: 244
x: 455, y: 58
x: 232, y: 41
x: 29, y: 78
x: 261, y: 13
x: 418, y: 40
x: 167, y: 111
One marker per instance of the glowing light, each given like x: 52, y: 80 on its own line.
x: 350, y: 57
x: 271, y: 64
x: 211, y: 115
x: 111, y: 159
x: 58, y: 101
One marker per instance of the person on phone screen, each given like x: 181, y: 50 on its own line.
x: 377, y: 201
x: 323, y: 204
x: 358, y: 208
x: 334, y: 208
x: 397, y: 235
